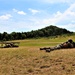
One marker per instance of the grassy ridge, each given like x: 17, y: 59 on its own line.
x: 29, y: 60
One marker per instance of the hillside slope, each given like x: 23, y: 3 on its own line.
x: 47, y: 31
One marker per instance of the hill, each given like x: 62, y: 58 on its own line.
x: 47, y: 31
x: 44, y: 32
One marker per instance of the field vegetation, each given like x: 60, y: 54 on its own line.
x: 27, y: 59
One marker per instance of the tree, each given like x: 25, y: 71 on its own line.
x: 5, y: 36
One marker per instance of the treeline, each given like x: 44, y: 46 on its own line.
x: 44, y: 32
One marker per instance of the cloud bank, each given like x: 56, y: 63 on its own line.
x: 5, y: 17
x: 36, y: 16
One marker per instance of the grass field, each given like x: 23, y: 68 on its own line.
x: 29, y: 60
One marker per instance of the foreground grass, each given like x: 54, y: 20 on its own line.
x: 29, y: 60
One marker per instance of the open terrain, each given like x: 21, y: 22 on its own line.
x: 29, y: 60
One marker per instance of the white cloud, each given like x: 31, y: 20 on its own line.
x: 15, y: 10
x: 34, y: 11
x: 19, y: 12
x: 5, y: 17
x: 70, y: 27
x: 58, y: 14
x: 67, y: 16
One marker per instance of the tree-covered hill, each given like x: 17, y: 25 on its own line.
x: 47, y: 31
x: 44, y: 32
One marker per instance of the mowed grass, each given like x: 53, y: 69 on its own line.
x: 29, y: 60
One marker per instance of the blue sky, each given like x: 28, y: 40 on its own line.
x: 27, y: 15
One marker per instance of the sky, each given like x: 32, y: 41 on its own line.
x: 27, y: 15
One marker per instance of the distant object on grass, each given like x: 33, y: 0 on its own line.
x: 9, y: 44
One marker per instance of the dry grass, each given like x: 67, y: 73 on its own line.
x: 32, y: 61
x: 29, y: 60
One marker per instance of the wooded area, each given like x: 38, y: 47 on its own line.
x: 44, y: 32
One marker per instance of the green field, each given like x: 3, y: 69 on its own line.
x: 27, y: 59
